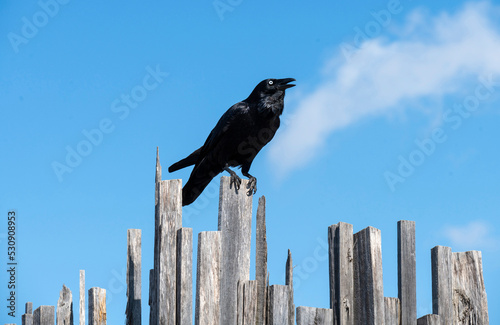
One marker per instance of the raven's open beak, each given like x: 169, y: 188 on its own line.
x: 284, y: 83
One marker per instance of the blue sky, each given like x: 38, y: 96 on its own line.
x: 395, y: 116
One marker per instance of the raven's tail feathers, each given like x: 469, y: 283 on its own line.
x: 195, y: 185
x: 188, y: 161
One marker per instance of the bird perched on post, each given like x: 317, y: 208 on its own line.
x: 239, y: 135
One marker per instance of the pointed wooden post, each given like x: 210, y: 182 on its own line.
x: 442, y: 303
x: 368, y: 286
x: 235, y: 225
x: 261, y: 261
x: 168, y: 219
x: 133, y: 309
x: 82, y: 297
x: 65, y: 307
x: 97, y: 306
x: 208, y: 278
x: 407, y: 272
x: 289, y: 283
x: 340, y: 243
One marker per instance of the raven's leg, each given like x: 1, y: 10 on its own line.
x: 252, y: 181
x: 235, y: 179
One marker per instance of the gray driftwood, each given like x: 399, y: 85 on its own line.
x: 133, y: 309
x: 27, y: 317
x: 64, y: 315
x: 82, y: 297
x: 44, y: 315
x: 261, y: 261
x: 429, y: 320
x: 368, y: 287
x: 97, y: 306
x: 289, y: 283
x: 315, y: 316
x: 340, y: 243
x: 407, y: 272
x: 235, y: 225
x: 392, y: 312
x: 184, y: 276
x: 247, y: 303
x: 278, y: 304
x: 208, y: 279
x: 442, y: 284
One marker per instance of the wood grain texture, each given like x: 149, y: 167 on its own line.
x: 470, y: 305
x: 441, y: 263
x: 97, y: 306
x: 430, y: 319
x: 184, y: 302
x: 208, y: 279
x: 340, y: 252
x: 289, y: 283
x: 134, y: 258
x: 82, y: 297
x: 247, y: 303
x: 278, y: 305
x: 64, y: 315
x: 44, y: 315
x: 407, y: 272
x: 27, y: 317
x: 314, y: 316
x: 261, y: 261
x: 392, y: 312
x: 368, y: 286
x: 235, y: 225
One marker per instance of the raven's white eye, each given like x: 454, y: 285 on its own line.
x: 270, y: 82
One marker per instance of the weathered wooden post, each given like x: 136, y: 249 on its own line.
x: 133, y: 309
x: 247, y: 303
x: 97, y: 306
x: 261, y: 261
x: 168, y: 219
x: 316, y: 316
x: 340, y: 243
x: 429, y: 320
x: 208, y: 278
x: 442, y: 304
x: 279, y: 298
x: 184, y: 276
x: 235, y: 225
x: 27, y: 318
x: 289, y: 284
x: 469, y: 295
x: 392, y: 311
x: 65, y: 307
x: 82, y: 297
x: 407, y: 272
x: 44, y: 315
x: 368, y: 286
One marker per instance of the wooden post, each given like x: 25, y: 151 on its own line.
x: 184, y: 276
x: 261, y: 261
x: 133, y: 309
x: 152, y: 296
x: 27, y: 318
x: 316, y: 316
x: 340, y: 243
x: 429, y: 320
x: 278, y: 305
x: 65, y: 307
x: 289, y: 283
x: 44, y: 315
x: 469, y: 294
x: 82, y: 297
x: 407, y: 272
x: 368, y: 287
x: 97, y: 306
x: 208, y: 278
x: 247, y: 303
x: 168, y: 221
x: 392, y: 312
x: 442, y: 284
x: 235, y: 225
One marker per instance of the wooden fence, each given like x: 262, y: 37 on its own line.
x: 225, y: 294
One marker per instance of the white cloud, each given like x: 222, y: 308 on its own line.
x: 474, y: 236
x: 430, y: 57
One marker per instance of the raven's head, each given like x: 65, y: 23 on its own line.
x: 269, y: 94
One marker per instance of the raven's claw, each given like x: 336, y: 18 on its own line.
x: 236, y: 180
x: 252, y: 186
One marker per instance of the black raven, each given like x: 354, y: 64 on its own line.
x: 239, y: 135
